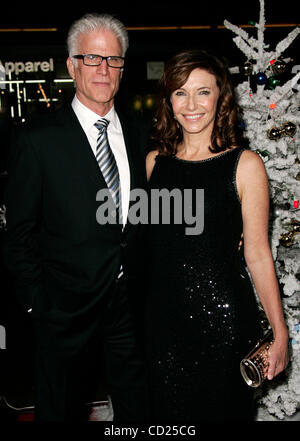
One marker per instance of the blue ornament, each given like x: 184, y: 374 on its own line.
x: 261, y: 78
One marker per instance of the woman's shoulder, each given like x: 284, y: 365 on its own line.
x: 250, y: 159
x: 150, y: 161
x: 152, y: 155
x: 251, y: 167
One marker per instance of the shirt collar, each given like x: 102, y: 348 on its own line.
x: 88, y: 118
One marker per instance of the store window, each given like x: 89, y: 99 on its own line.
x: 32, y: 86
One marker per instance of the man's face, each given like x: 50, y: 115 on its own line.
x: 96, y: 86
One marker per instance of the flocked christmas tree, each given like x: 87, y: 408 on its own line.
x: 271, y: 118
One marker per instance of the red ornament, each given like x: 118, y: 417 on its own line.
x: 272, y: 61
x: 296, y: 204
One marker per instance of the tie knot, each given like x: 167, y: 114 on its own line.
x: 102, y: 124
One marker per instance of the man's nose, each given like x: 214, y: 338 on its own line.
x: 103, y: 67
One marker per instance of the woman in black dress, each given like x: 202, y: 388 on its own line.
x: 202, y: 315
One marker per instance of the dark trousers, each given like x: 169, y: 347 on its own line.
x: 61, y: 377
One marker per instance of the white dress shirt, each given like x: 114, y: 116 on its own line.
x: 87, y: 119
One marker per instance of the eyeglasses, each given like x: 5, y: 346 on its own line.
x: 96, y: 60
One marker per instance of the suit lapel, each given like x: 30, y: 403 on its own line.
x: 82, y: 153
x: 81, y: 149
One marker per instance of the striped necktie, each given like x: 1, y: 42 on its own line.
x: 107, y: 163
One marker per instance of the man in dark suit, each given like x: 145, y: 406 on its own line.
x: 72, y: 272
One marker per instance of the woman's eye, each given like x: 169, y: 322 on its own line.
x: 179, y: 93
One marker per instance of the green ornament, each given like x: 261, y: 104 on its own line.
x: 273, y: 82
x: 262, y: 153
x: 252, y: 23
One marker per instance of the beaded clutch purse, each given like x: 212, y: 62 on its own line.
x: 254, y: 366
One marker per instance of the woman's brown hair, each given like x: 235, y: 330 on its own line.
x: 226, y: 132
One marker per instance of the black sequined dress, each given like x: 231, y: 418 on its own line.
x: 201, y: 316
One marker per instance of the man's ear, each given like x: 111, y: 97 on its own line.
x: 71, y: 68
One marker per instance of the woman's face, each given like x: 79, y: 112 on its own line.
x: 194, y: 104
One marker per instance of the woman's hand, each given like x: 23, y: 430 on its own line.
x: 278, y: 356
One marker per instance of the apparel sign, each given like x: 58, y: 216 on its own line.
x: 28, y: 66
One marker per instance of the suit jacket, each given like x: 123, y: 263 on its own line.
x: 64, y: 263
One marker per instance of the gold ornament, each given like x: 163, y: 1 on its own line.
x: 247, y: 69
x: 278, y: 67
x: 287, y: 239
x: 286, y: 129
x: 295, y: 226
x: 289, y: 128
x: 274, y: 133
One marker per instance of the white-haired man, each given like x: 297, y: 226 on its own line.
x: 72, y: 271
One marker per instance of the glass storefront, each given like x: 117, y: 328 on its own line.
x: 31, y: 86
